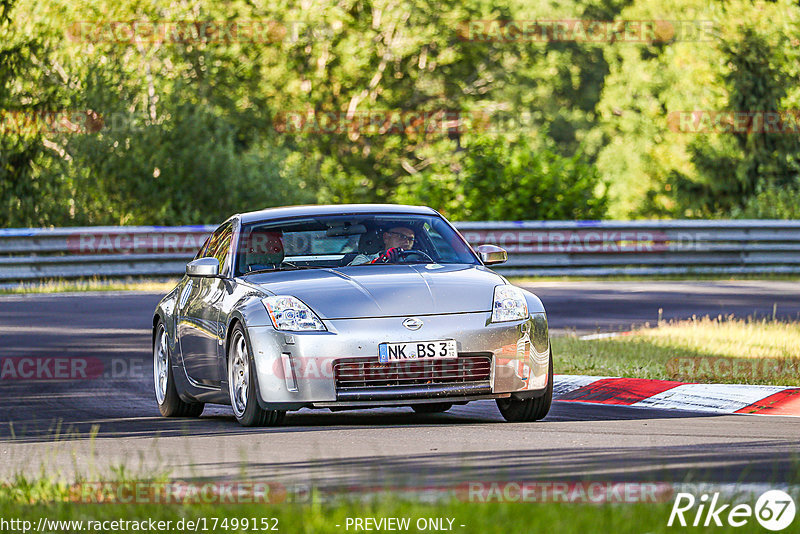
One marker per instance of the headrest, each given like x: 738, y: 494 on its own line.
x: 370, y: 242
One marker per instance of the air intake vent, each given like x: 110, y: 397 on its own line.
x: 368, y: 373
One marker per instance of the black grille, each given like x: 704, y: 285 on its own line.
x: 369, y: 373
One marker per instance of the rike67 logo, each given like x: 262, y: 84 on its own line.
x: 774, y: 510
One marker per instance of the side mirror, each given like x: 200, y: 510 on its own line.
x: 203, y: 267
x: 491, y: 254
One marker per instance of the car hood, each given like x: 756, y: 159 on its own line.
x: 386, y: 290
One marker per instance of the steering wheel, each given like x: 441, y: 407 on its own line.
x: 414, y: 252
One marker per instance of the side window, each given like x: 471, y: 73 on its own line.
x: 218, y: 245
x: 203, y: 248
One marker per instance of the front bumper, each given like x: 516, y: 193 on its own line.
x: 298, y: 369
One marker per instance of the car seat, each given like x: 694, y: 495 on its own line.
x: 371, y: 242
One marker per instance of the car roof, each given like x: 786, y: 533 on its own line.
x: 332, y: 209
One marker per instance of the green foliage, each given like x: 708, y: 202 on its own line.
x: 773, y: 203
x: 747, y: 61
x: 189, y: 168
x: 746, y: 169
x: 326, y: 513
x: 28, y: 194
x: 502, y: 181
x: 191, y: 131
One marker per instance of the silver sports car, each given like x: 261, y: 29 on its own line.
x: 348, y: 307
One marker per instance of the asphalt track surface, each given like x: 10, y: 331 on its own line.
x: 91, y: 427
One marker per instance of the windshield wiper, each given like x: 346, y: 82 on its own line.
x: 283, y: 267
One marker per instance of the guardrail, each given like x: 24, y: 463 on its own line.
x: 98, y: 251
x: 647, y: 248
x: 536, y: 248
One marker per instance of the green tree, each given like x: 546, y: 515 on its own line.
x: 30, y: 90
x: 202, y: 136
x: 502, y: 181
x: 746, y: 164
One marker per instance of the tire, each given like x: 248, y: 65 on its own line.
x: 243, y: 386
x: 169, y: 402
x: 437, y: 407
x: 533, y: 409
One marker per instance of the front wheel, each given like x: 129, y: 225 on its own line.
x: 533, y: 409
x: 242, y: 385
x: 169, y: 403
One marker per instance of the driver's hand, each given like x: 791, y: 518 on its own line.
x: 390, y: 256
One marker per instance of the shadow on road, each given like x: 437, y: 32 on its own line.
x: 750, y: 461
x: 140, y: 419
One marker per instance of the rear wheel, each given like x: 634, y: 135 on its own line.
x: 533, y: 409
x: 242, y: 385
x: 169, y: 403
x: 436, y: 407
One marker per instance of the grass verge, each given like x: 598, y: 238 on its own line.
x: 467, y: 518
x: 132, y: 284
x: 719, y: 350
x: 93, y: 284
x: 42, y: 502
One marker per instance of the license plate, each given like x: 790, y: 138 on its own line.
x: 417, y: 350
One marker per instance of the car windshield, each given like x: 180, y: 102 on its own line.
x: 353, y: 240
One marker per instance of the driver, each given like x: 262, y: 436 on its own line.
x: 395, y: 240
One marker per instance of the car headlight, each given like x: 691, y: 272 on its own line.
x: 290, y: 313
x: 509, y: 304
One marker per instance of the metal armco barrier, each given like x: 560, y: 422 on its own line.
x: 647, y: 248
x: 535, y: 248
x: 98, y: 251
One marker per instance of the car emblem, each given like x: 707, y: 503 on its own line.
x: 412, y: 324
